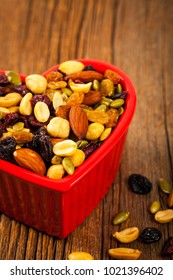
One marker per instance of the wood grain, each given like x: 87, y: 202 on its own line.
x: 136, y: 36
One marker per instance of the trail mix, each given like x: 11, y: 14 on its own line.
x: 51, y: 125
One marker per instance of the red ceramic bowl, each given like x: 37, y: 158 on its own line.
x: 57, y: 207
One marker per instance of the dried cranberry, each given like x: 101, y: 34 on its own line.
x: 140, y: 184
x: 22, y: 89
x: 167, y: 249
x: 42, y: 98
x: 34, y: 123
x: 10, y: 119
x: 7, y: 147
x: 150, y: 235
x: 3, y: 79
x: 90, y: 148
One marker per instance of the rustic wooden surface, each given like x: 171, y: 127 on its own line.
x: 136, y: 36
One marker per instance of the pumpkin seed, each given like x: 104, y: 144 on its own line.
x: 81, y: 143
x: 154, y: 207
x: 120, y: 110
x: 106, y: 101
x: 68, y: 165
x: 117, y: 103
x: 165, y: 186
x: 102, y: 108
x: 13, y: 78
x: 119, y: 88
x: 121, y: 217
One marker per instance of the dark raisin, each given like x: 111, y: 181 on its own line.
x: 121, y: 95
x: 150, y: 235
x: 10, y: 119
x: 140, y: 184
x: 90, y: 148
x: 89, y: 67
x: 22, y: 89
x: 7, y: 147
x: 41, y: 144
x: 167, y: 249
x: 42, y: 98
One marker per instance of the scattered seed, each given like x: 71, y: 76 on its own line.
x: 154, y: 207
x: 164, y: 216
x: 127, y: 235
x: 121, y: 217
x: 167, y: 249
x: 165, y: 186
x: 170, y: 199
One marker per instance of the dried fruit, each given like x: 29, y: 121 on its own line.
x: 75, y: 98
x: 78, y: 121
x: 7, y: 147
x: 125, y: 253
x: 127, y: 235
x: 97, y: 116
x: 154, y: 207
x: 80, y: 256
x: 113, y: 76
x: 150, y: 235
x: 140, y: 184
x: 107, y: 87
x: 164, y: 216
x: 121, y: 217
x: 30, y: 160
x: 165, y: 186
x: 167, y: 249
x: 113, y: 117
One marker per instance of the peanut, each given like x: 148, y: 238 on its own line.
x: 125, y: 253
x: 127, y: 235
x: 57, y: 100
x: 164, y: 216
x: 10, y: 99
x: 80, y: 256
x: 25, y: 107
x: 41, y: 112
x: 65, y: 148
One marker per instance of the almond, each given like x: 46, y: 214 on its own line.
x: 92, y: 97
x: 78, y: 121
x: 85, y: 76
x: 30, y: 160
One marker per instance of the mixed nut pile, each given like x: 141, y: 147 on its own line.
x: 50, y: 125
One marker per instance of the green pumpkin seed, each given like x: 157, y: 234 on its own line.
x: 121, y: 217
x: 68, y: 165
x: 120, y: 110
x: 119, y: 88
x: 13, y: 78
x: 106, y: 101
x: 117, y: 103
x: 154, y: 207
x: 165, y: 186
x: 81, y: 143
x: 102, y: 108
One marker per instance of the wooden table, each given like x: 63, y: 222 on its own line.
x: 136, y: 36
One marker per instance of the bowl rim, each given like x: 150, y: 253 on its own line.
x: 81, y: 171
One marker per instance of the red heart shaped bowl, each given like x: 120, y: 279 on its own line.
x: 57, y: 207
